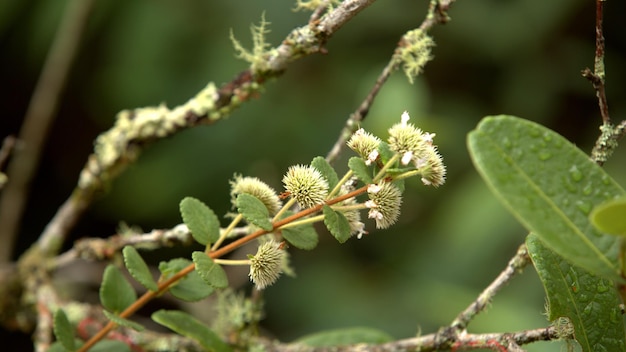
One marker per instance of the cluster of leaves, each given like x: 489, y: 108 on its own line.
x: 573, y: 209
x: 316, y: 194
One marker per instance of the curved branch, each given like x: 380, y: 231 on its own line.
x: 135, y: 129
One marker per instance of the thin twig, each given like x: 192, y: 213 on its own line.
x: 515, y: 265
x: 437, y: 14
x: 432, y: 342
x: 609, y: 134
x: 38, y: 119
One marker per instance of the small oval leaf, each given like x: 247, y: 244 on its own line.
x: 201, y: 221
x: 110, y: 345
x: 337, y: 224
x: 303, y: 237
x: 362, y: 172
x: 254, y: 211
x: 63, y: 330
x: 191, y: 288
x: 326, y: 170
x: 116, y: 293
x: 212, y: 273
x: 186, y: 325
x: 138, y: 268
x: 123, y: 322
x: 610, y: 217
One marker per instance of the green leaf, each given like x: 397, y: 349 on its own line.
x: 326, y: 170
x: 303, y: 237
x: 212, y: 273
x: 254, y: 211
x: 110, y: 345
x: 591, y: 303
x: 123, y: 322
x: 550, y: 186
x: 63, y: 330
x: 342, y: 337
x: 138, y: 268
x: 385, y: 152
x: 336, y: 223
x: 201, y: 221
x: 362, y: 172
x: 116, y: 293
x: 610, y: 217
x: 191, y: 288
x: 186, y: 325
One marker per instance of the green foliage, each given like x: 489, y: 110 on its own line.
x: 362, y: 172
x: 189, y: 326
x: 337, y: 224
x: 212, y: 273
x: 63, y: 330
x: 385, y: 152
x: 610, y: 217
x: 138, y: 268
x: 326, y: 170
x: 550, y: 186
x: 190, y: 288
x: 116, y: 293
x: 254, y: 211
x: 591, y: 303
x: 124, y: 322
x: 201, y: 221
x: 342, y: 337
x: 303, y: 236
x: 110, y: 345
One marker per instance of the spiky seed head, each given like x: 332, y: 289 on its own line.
x: 266, y: 266
x: 407, y: 140
x: 364, y: 144
x: 384, y: 205
x: 432, y: 168
x: 257, y: 188
x: 306, y: 185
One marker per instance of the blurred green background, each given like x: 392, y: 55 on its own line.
x: 495, y: 57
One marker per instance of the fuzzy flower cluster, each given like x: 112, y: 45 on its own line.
x: 417, y: 147
x: 255, y: 187
x: 384, y: 204
x: 306, y: 185
x: 267, y: 264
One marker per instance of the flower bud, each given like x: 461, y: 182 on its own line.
x: 384, y: 205
x: 266, y: 266
x: 257, y: 188
x: 306, y: 185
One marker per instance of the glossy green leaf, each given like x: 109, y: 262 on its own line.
x: 550, y: 186
x: 212, y: 273
x: 303, y: 237
x: 358, y: 167
x: 123, y: 322
x: 610, y: 217
x: 326, y: 170
x: 186, y: 325
x: 343, y: 337
x: 590, y: 302
x: 191, y: 288
x: 254, y: 211
x: 201, y: 220
x: 138, y: 268
x: 116, y: 293
x: 63, y: 330
x: 336, y: 223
